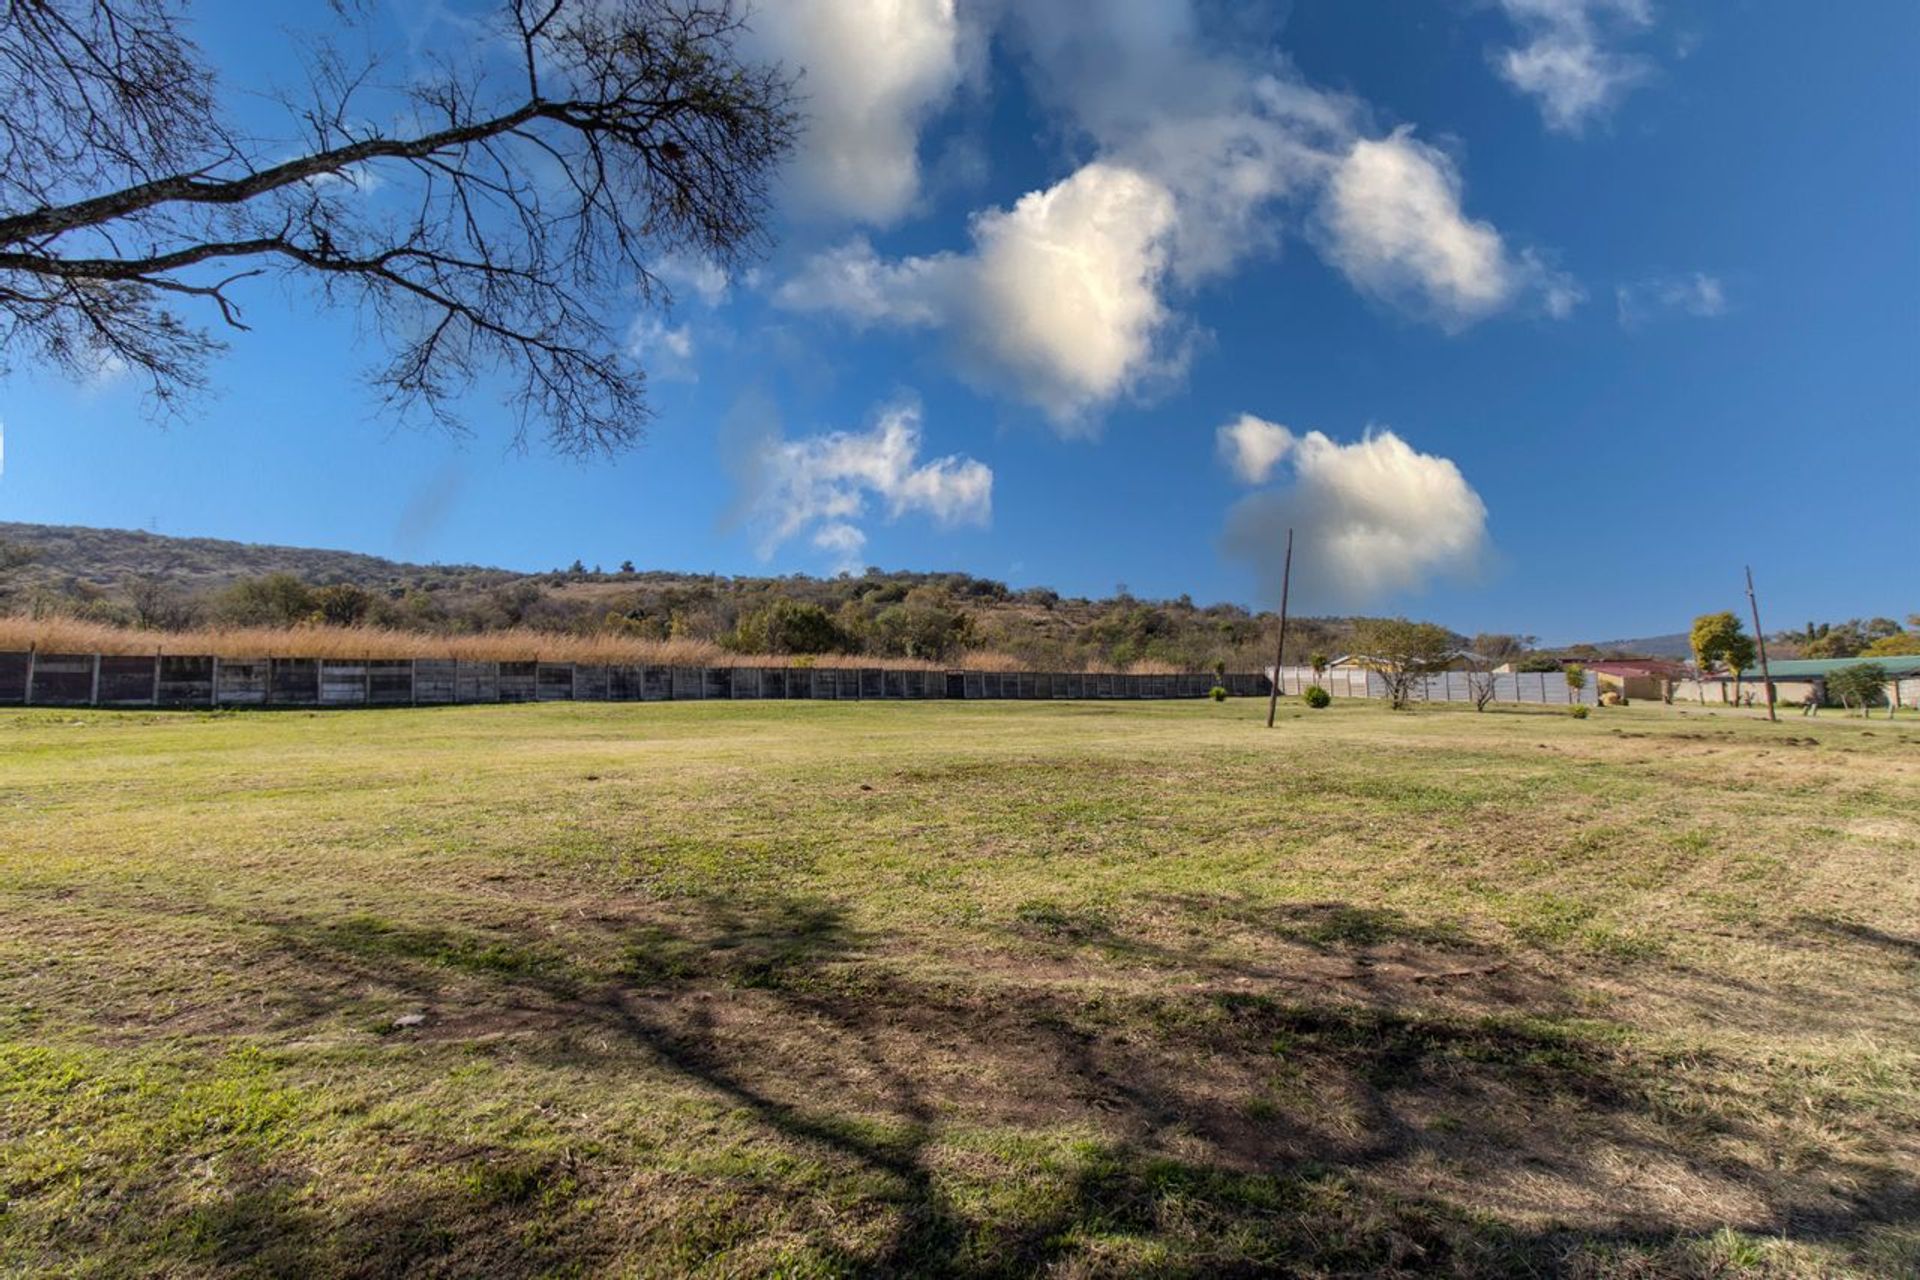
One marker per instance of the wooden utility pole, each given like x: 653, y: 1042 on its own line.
x: 1760, y: 637
x: 1280, y: 648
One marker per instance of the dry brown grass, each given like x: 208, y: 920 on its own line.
x: 885, y: 989
x: 73, y: 635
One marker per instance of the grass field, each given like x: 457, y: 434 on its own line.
x: 814, y: 988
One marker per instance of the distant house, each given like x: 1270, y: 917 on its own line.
x: 1364, y: 662
x: 1795, y: 678
x: 1636, y: 677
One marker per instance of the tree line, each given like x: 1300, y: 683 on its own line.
x: 930, y: 616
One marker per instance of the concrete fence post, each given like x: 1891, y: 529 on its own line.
x: 156, y: 679
x: 213, y: 692
x: 33, y: 653
x: 93, y: 694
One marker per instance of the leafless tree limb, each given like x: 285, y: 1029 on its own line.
x: 524, y: 210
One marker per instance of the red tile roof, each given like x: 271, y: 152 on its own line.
x: 1640, y: 667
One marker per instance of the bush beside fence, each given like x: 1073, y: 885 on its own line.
x: 169, y: 680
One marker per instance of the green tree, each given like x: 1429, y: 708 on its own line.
x: 1739, y: 655
x: 1576, y: 677
x: 1403, y: 652
x: 1844, y: 641
x: 924, y: 625
x: 788, y: 626
x: 1904, y: 644
x: 273, y: 600
x: 343, y: 604
x: 1862, y: 685
x: 1714, y: 639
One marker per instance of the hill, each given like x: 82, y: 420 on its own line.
x: 129, y: 578
x: 106, y: 558
x: 1668, y: 646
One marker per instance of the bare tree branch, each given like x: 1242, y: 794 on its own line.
x: 499, y: 236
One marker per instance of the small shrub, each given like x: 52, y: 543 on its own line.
x: 1316, y: 697
x: 1578, y: 711
x: 1217, y: 693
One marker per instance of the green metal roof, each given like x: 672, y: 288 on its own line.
x: 1810, y: 668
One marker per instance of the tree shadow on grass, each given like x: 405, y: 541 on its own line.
x: 1852, y: 931
x: 975, y: 1129
x: 268, y: 1221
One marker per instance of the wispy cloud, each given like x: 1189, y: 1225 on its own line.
x: 692, y: 274
x: 821, y: 487
x: 667, y: 351
x: 1695, y: 294
x: 1568, y: 61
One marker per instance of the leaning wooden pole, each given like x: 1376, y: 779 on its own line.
x: 1280, y: 648
x: 1760, y: 637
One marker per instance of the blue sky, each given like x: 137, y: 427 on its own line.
x: 1534, y: 315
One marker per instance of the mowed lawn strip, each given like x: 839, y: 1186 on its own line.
x: 809, y: 988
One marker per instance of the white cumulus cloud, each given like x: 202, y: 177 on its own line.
x: 1062, y: 300
x: 1371, y: 518
x: 1391, y: 220
x: 1253, y: 447
x: 823, y: 486
x: 1567, y: 61
x: 873, y: 72
x: 1207, y: 148
x: 1058, y: 300
x: 1216, y: 117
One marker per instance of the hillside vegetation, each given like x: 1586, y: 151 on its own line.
x: 74, y: 588
x: 130, y: 591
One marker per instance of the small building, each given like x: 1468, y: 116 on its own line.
x: 1795, y: 679
x: 1631, y: 678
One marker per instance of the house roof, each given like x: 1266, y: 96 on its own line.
x: 1638, y: 667
x: 1819, y: 668
x: 1369, y: 661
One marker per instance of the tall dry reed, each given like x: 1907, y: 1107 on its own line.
x: 71, y: 635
